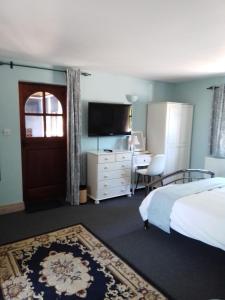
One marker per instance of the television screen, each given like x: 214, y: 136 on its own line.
x: 107, y: 119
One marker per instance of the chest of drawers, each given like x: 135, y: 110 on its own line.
x: 108, y: 174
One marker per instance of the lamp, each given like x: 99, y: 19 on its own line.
x: 134, y: 142
x: 131, y: 98
x: 131, y: 141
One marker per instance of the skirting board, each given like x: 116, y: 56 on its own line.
x: 11, y: 208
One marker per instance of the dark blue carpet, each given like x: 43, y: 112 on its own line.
x: 183, y: 268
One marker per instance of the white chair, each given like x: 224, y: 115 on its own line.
x: 156, y: 168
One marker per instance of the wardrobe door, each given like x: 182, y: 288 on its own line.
x: 156, y: 127
x: 186, y: 125
x: 179, y: 129
x: 174, y: 124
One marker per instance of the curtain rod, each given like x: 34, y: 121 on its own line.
x: 11, y: 64
x: 212, y: 87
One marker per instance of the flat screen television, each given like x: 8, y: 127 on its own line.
x: 108, y: 119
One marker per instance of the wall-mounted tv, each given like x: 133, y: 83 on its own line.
x: 108, y: 119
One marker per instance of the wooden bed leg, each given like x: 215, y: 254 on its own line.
x: 146, y: 225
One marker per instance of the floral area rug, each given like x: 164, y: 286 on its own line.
x: 68, y: 264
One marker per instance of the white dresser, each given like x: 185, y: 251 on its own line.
x: 108, y: 174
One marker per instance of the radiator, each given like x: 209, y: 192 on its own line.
x: 217, y: 165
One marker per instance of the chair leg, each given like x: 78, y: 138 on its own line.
x: 148, y: 180
x: 146, y: 184
x: 150, y: 188
x: 138, y: 177
x: 161, y: 180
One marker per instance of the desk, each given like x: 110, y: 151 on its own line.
x: 139, y: 159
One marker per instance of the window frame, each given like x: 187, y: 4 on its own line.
x: 44, y: 114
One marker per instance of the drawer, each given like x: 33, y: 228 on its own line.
x: 113, y: 192
x: 123, y: 164
x: 106, y: 167
x: 123, y: 156
x: 114, y: 166
x: 106, y: 184
x: 141, y: 160
x: 114, y: 174
x: 104, y: 158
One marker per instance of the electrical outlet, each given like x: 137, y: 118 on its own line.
x: 6, y: 131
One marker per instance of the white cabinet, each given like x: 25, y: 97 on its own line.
x: 169, y: 129
x: 108, y: 174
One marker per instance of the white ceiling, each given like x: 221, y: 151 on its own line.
x: 168, y: 40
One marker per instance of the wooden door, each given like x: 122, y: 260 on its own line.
x: 43, y: 142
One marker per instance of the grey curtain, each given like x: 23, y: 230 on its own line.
x: 73, y: 135
x: 217, y: 143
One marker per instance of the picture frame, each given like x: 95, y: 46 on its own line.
x: 137, y: 141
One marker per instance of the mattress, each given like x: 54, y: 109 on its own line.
x: 200, y: 216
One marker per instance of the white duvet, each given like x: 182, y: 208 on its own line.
x: 200, y: 216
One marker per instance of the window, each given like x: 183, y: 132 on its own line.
x: 43, y: 116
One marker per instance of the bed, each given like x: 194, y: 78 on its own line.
x: 195, y: 208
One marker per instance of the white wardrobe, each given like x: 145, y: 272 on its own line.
x: 169, y: 130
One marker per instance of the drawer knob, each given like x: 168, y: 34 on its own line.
x: 105, y: 184
x: 105, y: 194
x: 106, y: 158
x: 122, y: 166
x: 105, y: 176
x: 105, y: 168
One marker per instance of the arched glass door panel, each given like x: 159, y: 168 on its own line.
x: 43, y: 116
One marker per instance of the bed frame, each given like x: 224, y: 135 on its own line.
x: 183, y: 176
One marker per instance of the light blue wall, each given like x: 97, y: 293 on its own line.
x: 163, y: 91
x: 157, y: 91
x: 113, y: 88
x: 102, y: 87
x: 98, y: 87
x: 105, y: 87
x: 196, y: 92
